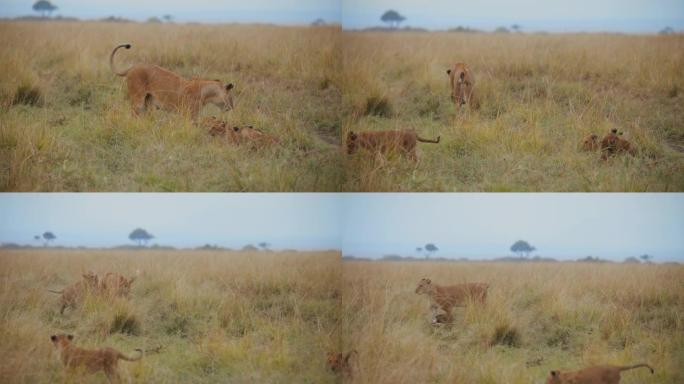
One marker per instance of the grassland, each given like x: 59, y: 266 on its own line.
x: 540, y: 95
x: 219, y: 316
x: 66, y: 125
x: 538, y: 317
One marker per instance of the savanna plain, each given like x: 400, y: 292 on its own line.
x: 539, y: 96
x: 66, y: 123
x: 201, y: 316
x: 537, y: 317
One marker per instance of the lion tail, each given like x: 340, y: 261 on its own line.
x: 628, y: 367
x: 128, y: 358
x: 58, y: 292
x: 111, y: 60
x: 427, y: 140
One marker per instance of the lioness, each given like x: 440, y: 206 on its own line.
x: 462, y: 81
x: 74, y: 293
x: 156, y: 86
x: 116, y: 285
x: 339, y: 363
x: 613, y: 144
x: 602, y: 374
x: 447, y: 297
x: 590, y: 143
x: 105, y: 359
x: 386, y: 142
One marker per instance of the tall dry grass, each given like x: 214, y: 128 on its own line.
x: 66, y: 125
x: 538, y: 317
x: 540, y: 95
x: 219, y: 316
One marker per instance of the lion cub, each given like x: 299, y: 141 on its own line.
x: 462, y: 82
x: 386, y: 142
x: 339, y: 362
x: 614, y: 144
x: 151, y: 85
x: 104, y: 359
x: 602, y: 374
x: 591, y: 143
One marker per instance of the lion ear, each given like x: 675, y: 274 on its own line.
x: 229, y: 86
x: 236, y: 129
x: 70, y: 337
x: 448, y: 71
x: 554, y: 373
x: 53, y: 338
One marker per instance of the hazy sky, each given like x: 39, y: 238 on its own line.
x: 566, y: 226
x: 268, y: 11
x: 302, y: 221
x: 550, y: 15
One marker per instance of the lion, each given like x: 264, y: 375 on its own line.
x: 252, y: 137
x: 614, y: 144
x: 590, y: 143
x: 339, y: 363
x: 74, y: 293
x: 104, y: 359
x: 151, y: 85
x: 115, y: 284
x: 462, y: 82
x: 386, y: 142
x: 447, y: 297
x: 602, y: 374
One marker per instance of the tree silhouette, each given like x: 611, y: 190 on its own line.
x: 667, y: 31
x: 167, y: 18
x: 48, y: 236
x: 522, y: 247
x: 393, y: 18
x: 646, y: 258
x: 37, y: 238
x: 140, y: 236
x: 430, y: 248
x: 44, y: 7
x: 516, y: 28
x: 264, y: 245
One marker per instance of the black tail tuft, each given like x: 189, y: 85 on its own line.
x: 127, y: 46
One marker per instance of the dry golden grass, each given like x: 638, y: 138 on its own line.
x: 538, y: 317
x: 540, y: 95
x: 66, y: 125
x: 219, y: 316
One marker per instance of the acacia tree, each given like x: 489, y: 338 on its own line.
x: 646, y: 258
x: 48, y: 237
x: 430, y: 248
x: 140, y: 236
x: 393, y: 18
x: 264, y: 245
x: 44, y: 7
x: 522, y: 247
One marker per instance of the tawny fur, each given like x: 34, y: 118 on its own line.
x: 386, y: 142
x: 73, y: 294
x: 462, y: 82
x: 114, y: 284
x: 591, y: 143
x: 339, y: 363
x: 602, y: 374
x: 151, y: 85
x: 613, y: 144
x: 253, y: 138
x: 104, y: 359
x: 449, y: 296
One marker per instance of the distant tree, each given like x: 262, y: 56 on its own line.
x: 393, y: 18
x: 667, y: 31
x: 632, y: 259
x: 522, y: 247
x: 419, y: 250
x: 264, y: 245
x: 167, y: 18
x: 140, y: 236
x: 37, y: 238
x: 318, y: 23
x: 430, y: 248
x: 516, y: 28
x: 501, y: 30
x: 250, y: 248
x: 44, y: 7
x: 646, y: 258
x: 48, y: 237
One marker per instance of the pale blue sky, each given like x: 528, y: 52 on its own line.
x: 550, y: 15
x: 565, y: 226
x: 301, y: 221
x: 265, y: 11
